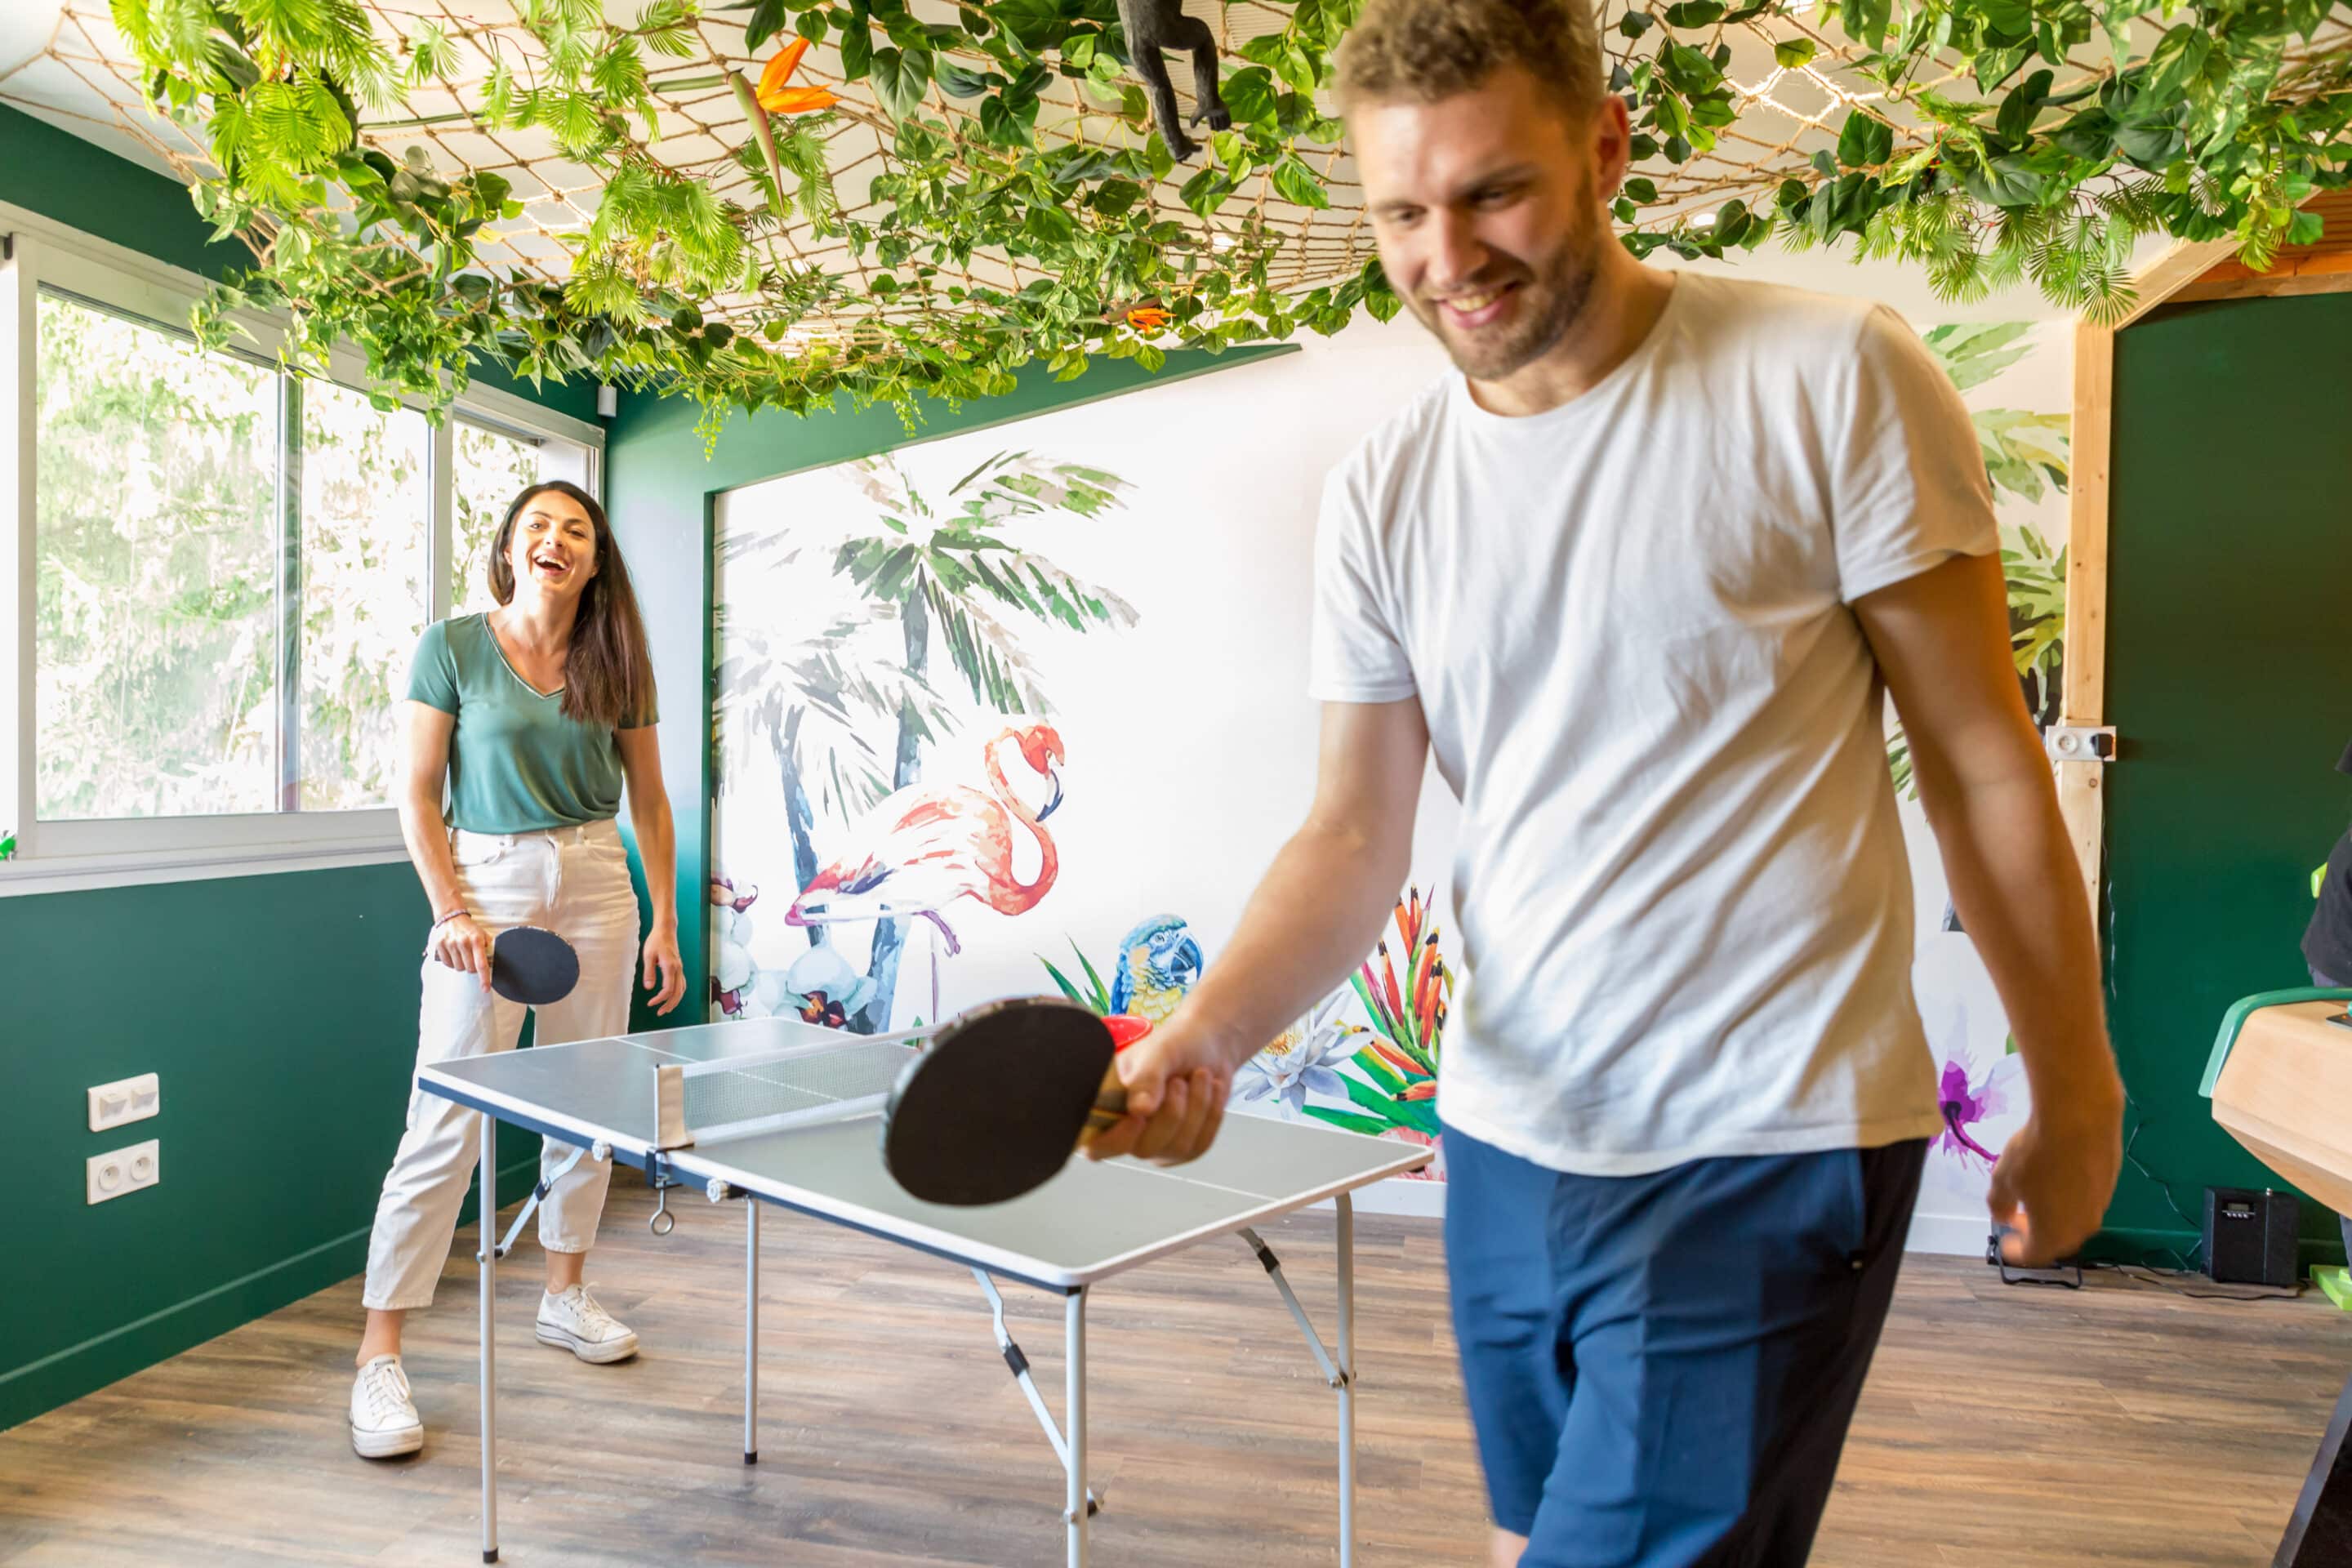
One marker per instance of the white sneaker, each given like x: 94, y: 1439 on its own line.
x: 384, y: 1419
x: 573, y: 1321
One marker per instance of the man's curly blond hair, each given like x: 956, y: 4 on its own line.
x: 1423, y: 50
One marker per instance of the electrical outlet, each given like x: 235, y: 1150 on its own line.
x: 124, y: 1100
x: 124, y: 1171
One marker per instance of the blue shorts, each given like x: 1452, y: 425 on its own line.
x: 1661, y: 1368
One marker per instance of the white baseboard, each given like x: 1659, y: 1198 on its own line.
x: 1397, y: 1194
x: 1955, y: 1235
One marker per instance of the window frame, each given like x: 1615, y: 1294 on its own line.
x: 54, y: 857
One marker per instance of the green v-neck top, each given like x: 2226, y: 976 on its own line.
x: 516, y: 763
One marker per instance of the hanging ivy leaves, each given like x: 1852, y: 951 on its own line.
x: 856, y: 43
x: 1865, y: 143
x: 2224, y: 124
x: 1297, y: 183
x: 1249, y: 95
x: 901, y: 77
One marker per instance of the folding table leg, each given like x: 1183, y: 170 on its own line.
x: 750, y: 1330
x: 1340, y: 1371
x: 1074, y: 1331
x: 1347, y: 1380
x: 487, y: 1206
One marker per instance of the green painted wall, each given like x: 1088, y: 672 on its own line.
x: 661, y: 482
x: 280, y: 1014
x: 2230, y: 684
x: 64, y: 178
x: 279, y: 1011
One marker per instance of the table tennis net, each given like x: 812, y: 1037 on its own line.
x: 734, y: 1097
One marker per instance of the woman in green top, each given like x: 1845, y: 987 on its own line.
x: 524, y: 727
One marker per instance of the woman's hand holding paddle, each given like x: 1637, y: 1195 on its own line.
x: 462, y: 945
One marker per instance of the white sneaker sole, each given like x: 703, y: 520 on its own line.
x: 598, y: 1353
x: 388, y: 1444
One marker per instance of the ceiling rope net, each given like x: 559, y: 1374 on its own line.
x: 1784, y: 117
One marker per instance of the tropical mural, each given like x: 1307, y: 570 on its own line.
x: 886, y: 678
x: 862, y: 659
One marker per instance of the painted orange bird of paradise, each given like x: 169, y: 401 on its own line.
x: 928, y: 845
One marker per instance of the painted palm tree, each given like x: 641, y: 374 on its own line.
x: 945, y: 598
x: 814, y: 699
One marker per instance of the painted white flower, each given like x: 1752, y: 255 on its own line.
x: 769, y: 993
x: 732, y: 962
x: 823, y: 969
x: 1301, y: 1061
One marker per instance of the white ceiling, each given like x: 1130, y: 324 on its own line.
x: 47, y: 91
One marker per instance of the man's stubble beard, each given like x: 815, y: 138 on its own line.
x: 1559, y: 292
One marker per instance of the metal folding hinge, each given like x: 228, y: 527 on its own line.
x: 2080, y: 743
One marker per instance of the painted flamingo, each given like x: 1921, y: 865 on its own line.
x: 928, y: 844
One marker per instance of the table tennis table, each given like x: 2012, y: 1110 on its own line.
x: 780, y: 1111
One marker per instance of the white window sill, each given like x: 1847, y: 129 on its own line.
x: 77, y: 873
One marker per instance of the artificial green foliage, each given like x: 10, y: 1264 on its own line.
x: 2222, y: 128
x: 2066, y: 135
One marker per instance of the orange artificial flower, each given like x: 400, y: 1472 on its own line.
x: 1147, y: 318
x: 778, y: 99
x: 780, y: 69
x: 798, y: 99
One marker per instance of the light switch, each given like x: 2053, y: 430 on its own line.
x: 125, y: 1100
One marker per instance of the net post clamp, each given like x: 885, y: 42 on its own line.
x: 661, y: 1175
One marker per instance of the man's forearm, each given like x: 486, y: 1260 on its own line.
x: 2019, y: 891
x: 1315, y: 915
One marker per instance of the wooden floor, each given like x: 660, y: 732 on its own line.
x: 2000, y: 1425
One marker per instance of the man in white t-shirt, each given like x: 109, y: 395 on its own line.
x: 1642, y: 575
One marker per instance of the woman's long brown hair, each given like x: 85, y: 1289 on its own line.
x: 608, y: 677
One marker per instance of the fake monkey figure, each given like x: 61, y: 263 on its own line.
x: 1152, y: 26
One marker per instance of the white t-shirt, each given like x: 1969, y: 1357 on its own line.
x: 1683, y: 901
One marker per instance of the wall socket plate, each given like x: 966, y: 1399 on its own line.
x: 124, y: 1171
x: 124, y: 1100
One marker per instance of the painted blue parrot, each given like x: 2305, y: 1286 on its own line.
x: 1158, y: 963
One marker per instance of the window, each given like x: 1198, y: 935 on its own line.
x: 153, y: 549
x: 493, y: 465
x: 219, y: 575
x: 364, y: 575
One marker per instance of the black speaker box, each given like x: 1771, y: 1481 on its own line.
x: 2249, y: 1236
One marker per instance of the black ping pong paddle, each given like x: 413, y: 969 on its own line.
x: 1000, y: 1099
x: 533, y: 966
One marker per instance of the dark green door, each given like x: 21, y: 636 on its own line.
x: 2230, y: 684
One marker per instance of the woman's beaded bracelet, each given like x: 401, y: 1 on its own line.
x: 445, y: 920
